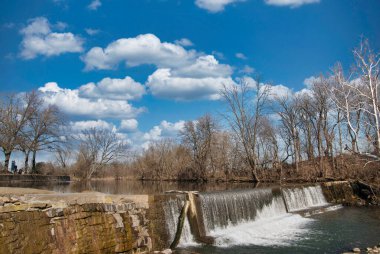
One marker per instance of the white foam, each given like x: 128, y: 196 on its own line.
x: 279, y: 231
x: 298, y: 199
x: 272, y: 226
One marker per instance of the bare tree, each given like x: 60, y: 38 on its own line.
x: 15, y: 112
x: 289, y: 112
x: 97, y: 148
x: 368, y: 68
x: 44, y: 130
x: 246, y: 103
x: 198, y: 136
x: 63, y: 153
x: 357, y: 96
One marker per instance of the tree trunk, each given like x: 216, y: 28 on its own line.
x: 7, y: 155
x: 34, y: 169
x: 26, y: 161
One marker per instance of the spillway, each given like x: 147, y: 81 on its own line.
x: 267, y: 216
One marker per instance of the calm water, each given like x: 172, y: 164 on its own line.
x: 128, y: 186
x: 331, y: 232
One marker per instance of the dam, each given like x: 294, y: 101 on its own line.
x: 219, y: 221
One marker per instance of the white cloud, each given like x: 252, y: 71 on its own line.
x: 79, y: 126
x: 91, y: 31
x: 184, y: 42
x: 164, y: 130
x: 70, y: 102
x: 114, y: 89
x: 129, y: 125
x: 182, y: 74
x: 280, y: 91
x: 143, y: 49
x: 275, y: 91
x: 291, y: 3
x: 215, y: 5
x: 310, y: 81
x: 203, y: 67
x: 94, y: 5
x: 165, y: 85
x: 304, y: 91
x: 38, y: 39
x: 241, y: 56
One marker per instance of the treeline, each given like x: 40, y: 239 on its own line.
x: 329, y: 130
x: 29, y: 125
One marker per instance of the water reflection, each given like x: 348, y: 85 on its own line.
x: 129, y: 186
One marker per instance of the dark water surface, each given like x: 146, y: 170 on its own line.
x: 129, y: 186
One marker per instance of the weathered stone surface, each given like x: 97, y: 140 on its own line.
x: 338, y: 192
x: 350, y: 193
x: 77, y: 223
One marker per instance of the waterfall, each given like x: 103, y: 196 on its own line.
x: 223, y: 209
x: 245, y: 217
x: 301, y: 198
x: 172, y: 209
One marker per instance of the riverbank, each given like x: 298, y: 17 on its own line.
x: 33, y: 178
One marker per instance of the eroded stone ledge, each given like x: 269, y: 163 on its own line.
x: 47, y: 222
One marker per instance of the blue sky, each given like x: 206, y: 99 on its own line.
x: 143, y: 66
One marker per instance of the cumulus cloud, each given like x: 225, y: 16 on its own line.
x: 275, y: 91
x: 215, y: 5
x: 79, y: 126
x: 129, y: 125
x: 70, y: 102
x: 38, y: 39
x: 162, y: 83
x: 94, y: 5
x: 280, y: 91
x: 164, y: 130
x: 184, y: 42
x: 181, y: 74
x: 143, y: 49
x: 204, y: 66
x: 310, y: 81
x: 114, y: 89
x: 291, y: 3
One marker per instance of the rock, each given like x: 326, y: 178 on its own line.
x: 167, y: 251
x: 356, y: 250
x: 369, y: 249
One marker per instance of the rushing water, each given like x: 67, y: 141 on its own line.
x: 171, y: 209
x: 244, y: 219
x: 331, y: 232
x: 267, y: 220
x: 301, y: 198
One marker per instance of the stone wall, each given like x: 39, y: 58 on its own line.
x: 50, y: 223
x: 354, y: 193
